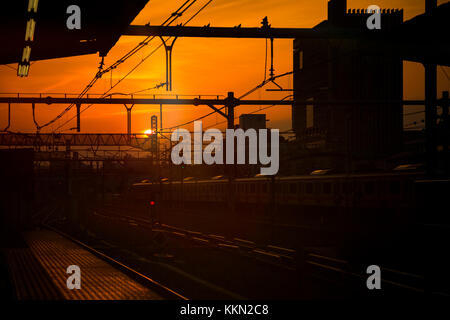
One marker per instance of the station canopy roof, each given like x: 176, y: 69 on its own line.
x: 102, y: 23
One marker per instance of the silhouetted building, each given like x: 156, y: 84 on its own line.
x: 252, y: 121
x: 347, y: 70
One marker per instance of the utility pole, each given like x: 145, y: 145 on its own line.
x: 154, y: 139
x: 78, y: 117
x: 129, y: 120
x: 430, y: 107
x: 445, y: 132
x: 231, y: 103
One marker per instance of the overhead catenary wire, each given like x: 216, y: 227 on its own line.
x: 445, y: 72
x: 220, y: 109
x: 175, y: 15
x: 413, y: 113
x: 6, y: 65
x: 148, y: 39
x: 255, y: 111
x: 142, y: 61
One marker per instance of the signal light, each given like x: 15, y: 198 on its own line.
x: 152, y: 203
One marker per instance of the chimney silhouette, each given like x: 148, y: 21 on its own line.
x: 336, y: 11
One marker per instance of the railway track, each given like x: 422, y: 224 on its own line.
x: 320, y: 266
x: 276, y: 255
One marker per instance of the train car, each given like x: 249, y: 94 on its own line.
x: 358, y: 190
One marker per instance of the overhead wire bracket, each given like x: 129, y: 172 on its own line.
x: 168, y: 48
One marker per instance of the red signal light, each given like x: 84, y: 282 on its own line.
x: 152, y: 203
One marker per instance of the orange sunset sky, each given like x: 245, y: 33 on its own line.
x: 200, y: 66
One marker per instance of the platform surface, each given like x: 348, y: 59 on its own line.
x: 39, y: 272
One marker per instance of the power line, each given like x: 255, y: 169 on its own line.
x: 5, y: 65
x: 264, y: 83
x: 220, y: 109
x: 445, y: 72
x: 414, y: 124
x: 412, y: 113
x: 143, y: 60
x: 152, y: 88
x: 255, y: 111
x: 175, y: 15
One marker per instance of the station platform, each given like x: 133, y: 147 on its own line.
x: 38, y: 272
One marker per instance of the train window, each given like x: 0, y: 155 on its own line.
x: 318, y: 188
x: 327, y: 187
x: 309, y: 187
x: 264, y: 187
x: 369, y: 187
x: 336, y: 187
x: 382, y: 186
x: 292, y: 188
x: 347, y: 187
x: 394, y: 187
x: 406, y: 187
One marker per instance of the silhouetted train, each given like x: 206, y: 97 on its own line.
x: 356, y: 190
